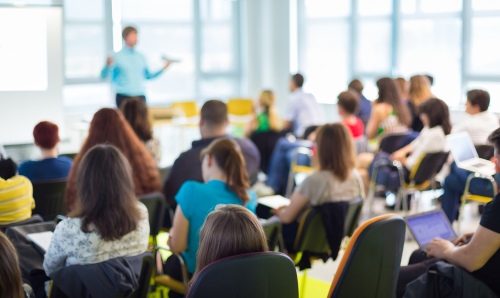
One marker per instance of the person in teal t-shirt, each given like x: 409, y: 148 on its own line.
x: 226, y: 182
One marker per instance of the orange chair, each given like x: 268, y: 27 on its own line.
x: 240, y: 106
x: 370, y: 265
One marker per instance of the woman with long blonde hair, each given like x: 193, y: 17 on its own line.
x: 267, y: 118
x: 419, y: 92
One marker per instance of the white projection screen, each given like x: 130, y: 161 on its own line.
x: 31, y: 70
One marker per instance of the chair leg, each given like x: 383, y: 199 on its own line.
x: 304, y: 279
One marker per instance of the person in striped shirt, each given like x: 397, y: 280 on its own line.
x: 16, y: 199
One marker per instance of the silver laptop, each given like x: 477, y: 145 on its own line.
x: 465, y: 154
x: 428, y: 225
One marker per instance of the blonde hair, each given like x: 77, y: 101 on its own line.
x: 267, y: 99
x: 228, y: 157
x: 420, y: 90
x: 228, y: 231
x: 335, y: 150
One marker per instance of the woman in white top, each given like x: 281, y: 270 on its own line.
x: 435, y: 116
x: 107, y: 222
x: 336, y: 180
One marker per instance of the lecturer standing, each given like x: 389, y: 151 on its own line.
x: 128, y: 69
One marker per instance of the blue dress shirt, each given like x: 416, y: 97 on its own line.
x: 129, y: 72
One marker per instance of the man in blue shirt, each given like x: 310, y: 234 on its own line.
x: 128, y: 69
x: 51, y: 166
x: 365, y: 106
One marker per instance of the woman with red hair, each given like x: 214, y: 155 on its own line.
x: 110, y: 127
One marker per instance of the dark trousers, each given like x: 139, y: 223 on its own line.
x: 172, y: 267
x: 418, y: 264
x: 120, y: 98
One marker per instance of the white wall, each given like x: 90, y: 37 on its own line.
x: 20, y: 111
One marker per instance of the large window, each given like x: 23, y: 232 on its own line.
x: 456, y: 41
x: 202, y: 34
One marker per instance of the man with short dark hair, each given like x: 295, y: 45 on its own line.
x: 213, y: 125
x: 365, y: 106
x: 303, y: 109
x: 128, y: 69
x: 480, y: 123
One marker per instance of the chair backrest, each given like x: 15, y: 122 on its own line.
x: 427, y: 167
x: 485, y: 151
x: 157, y: 206
x: 240, y: 106
x: 266, y: 274
x: 352, y: 216
x: 188, y: 108
x: 265, y: 143
x: 273, y: 229
x: 370, y: 265
x: 148, y: 265
x: 311, y: 235
x: 392, y: 142
x: 32, y: 220
x: 49, y: 198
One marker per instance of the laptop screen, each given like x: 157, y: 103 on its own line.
x: 461, y: 147
x: 430, y: 225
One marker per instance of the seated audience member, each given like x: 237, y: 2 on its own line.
x: 229, y: 230
x: 303, y: 110
x: 107, y: 220
x: 51, y: 166
x: 11, y: 283
x: 336, y: 180
x: 279, y: 164
x: 389, y: 116
x: 436, y: 118
x: 213, y: 125
x: 479, y: 124
x: 267, y: 118
x: 136, y: 114
x: 110, y: 127
x: 420, y: 91
x: 347, y: 105
x: 365, y: 106
x: 402, y: 85
x: 8, y: 168
x: 16, y: 199
x: 477, y: 253
x: 225, y: 182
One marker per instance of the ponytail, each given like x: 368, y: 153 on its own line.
x: 228, y: 156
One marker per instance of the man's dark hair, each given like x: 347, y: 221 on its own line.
x: 298, y: 80
x: 348, y: 101
x: 127, y: 30
x: 214, y: 112
x: 480, y: 98
x: 494, y: 138
x: 356, y: 85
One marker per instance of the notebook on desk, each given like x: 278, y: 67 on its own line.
x: 41, y: 240
x: 428, y: 225
x: 274, y: 202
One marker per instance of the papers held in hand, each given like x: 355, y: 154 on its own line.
x: 173, y: 60
x: 41, y: 240
x: 274, y: 202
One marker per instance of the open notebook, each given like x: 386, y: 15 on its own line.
x: 41, y: 240
x: 274, y: 201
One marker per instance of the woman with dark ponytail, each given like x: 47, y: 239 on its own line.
x: 226, y: 182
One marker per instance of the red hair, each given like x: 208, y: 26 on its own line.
x: 46, y: 134
x: 110, y: 127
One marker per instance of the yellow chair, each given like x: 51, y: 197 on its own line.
x: 240, y: 106
x: 296, y: 169
x: 468, y: 197
x: 187, y: 108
